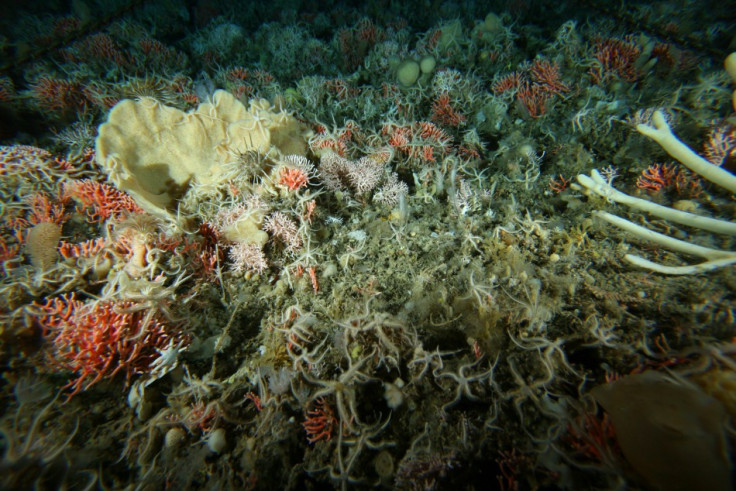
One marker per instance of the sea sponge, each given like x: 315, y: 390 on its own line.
x: 408, y: 72
x: 492, y: 23
x: 427, y: 64
x: 247, y: 229
x: 41, y: 242
x: 672, y: 434
x: 450, y: 37
x: 154, y: 152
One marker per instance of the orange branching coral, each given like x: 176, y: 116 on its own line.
x: 510, y: 81
x: 293, y: 178
x: 100, y: 339
x: 8, y: 254
x: 44, y: 217
x: 44, y: 209
x: 422, y: 139
x: 320, y: 422
x: 59, y: 96
x: 105, y: 201
x: 87, y: 249
x: 547, y: 75
x: 615, y: 58
x: 720, y: 148
x: 663, y: 176
x: 443, y: 111
x: 534, y: 99
x: 656, y: 177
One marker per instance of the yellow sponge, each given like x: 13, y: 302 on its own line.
x: 154, y: 152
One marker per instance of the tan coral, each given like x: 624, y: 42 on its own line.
x: 154, y: 152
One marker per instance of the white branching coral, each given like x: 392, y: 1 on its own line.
x: 362, y: 176
x: 662, y: 134
x: 247, y: 257
x: 714, y: 258
x: 391, y: 191
x: 283, y: 228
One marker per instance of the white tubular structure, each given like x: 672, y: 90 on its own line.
x: 662, y: 134
x: 714, y: 258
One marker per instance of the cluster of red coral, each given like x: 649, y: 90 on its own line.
x: 97, y: 340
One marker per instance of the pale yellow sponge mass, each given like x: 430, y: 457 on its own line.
x: 154, y: 152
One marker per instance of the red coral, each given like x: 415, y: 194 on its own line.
x: 101, y: 48
x: 511, y: 81
x: 8, y: 254
x: 720, y: 148
x: 444, y: 113
x: 534, y: 99
x: 105, y: 201
x: 44, y: 209
x: 320, y: 422
x: 61, y: 97
x: 357, y: 41
x: 87, y: 249
x: 593, y: 437
x: 547, y: 75
x: 422, y: 139
x: 429, y: 131
x: 656, y: 177
x: 615, y: 58
x: 340, y: 88
x: 100, y: 339
x: 559, y: 186
x: 292, y: 178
